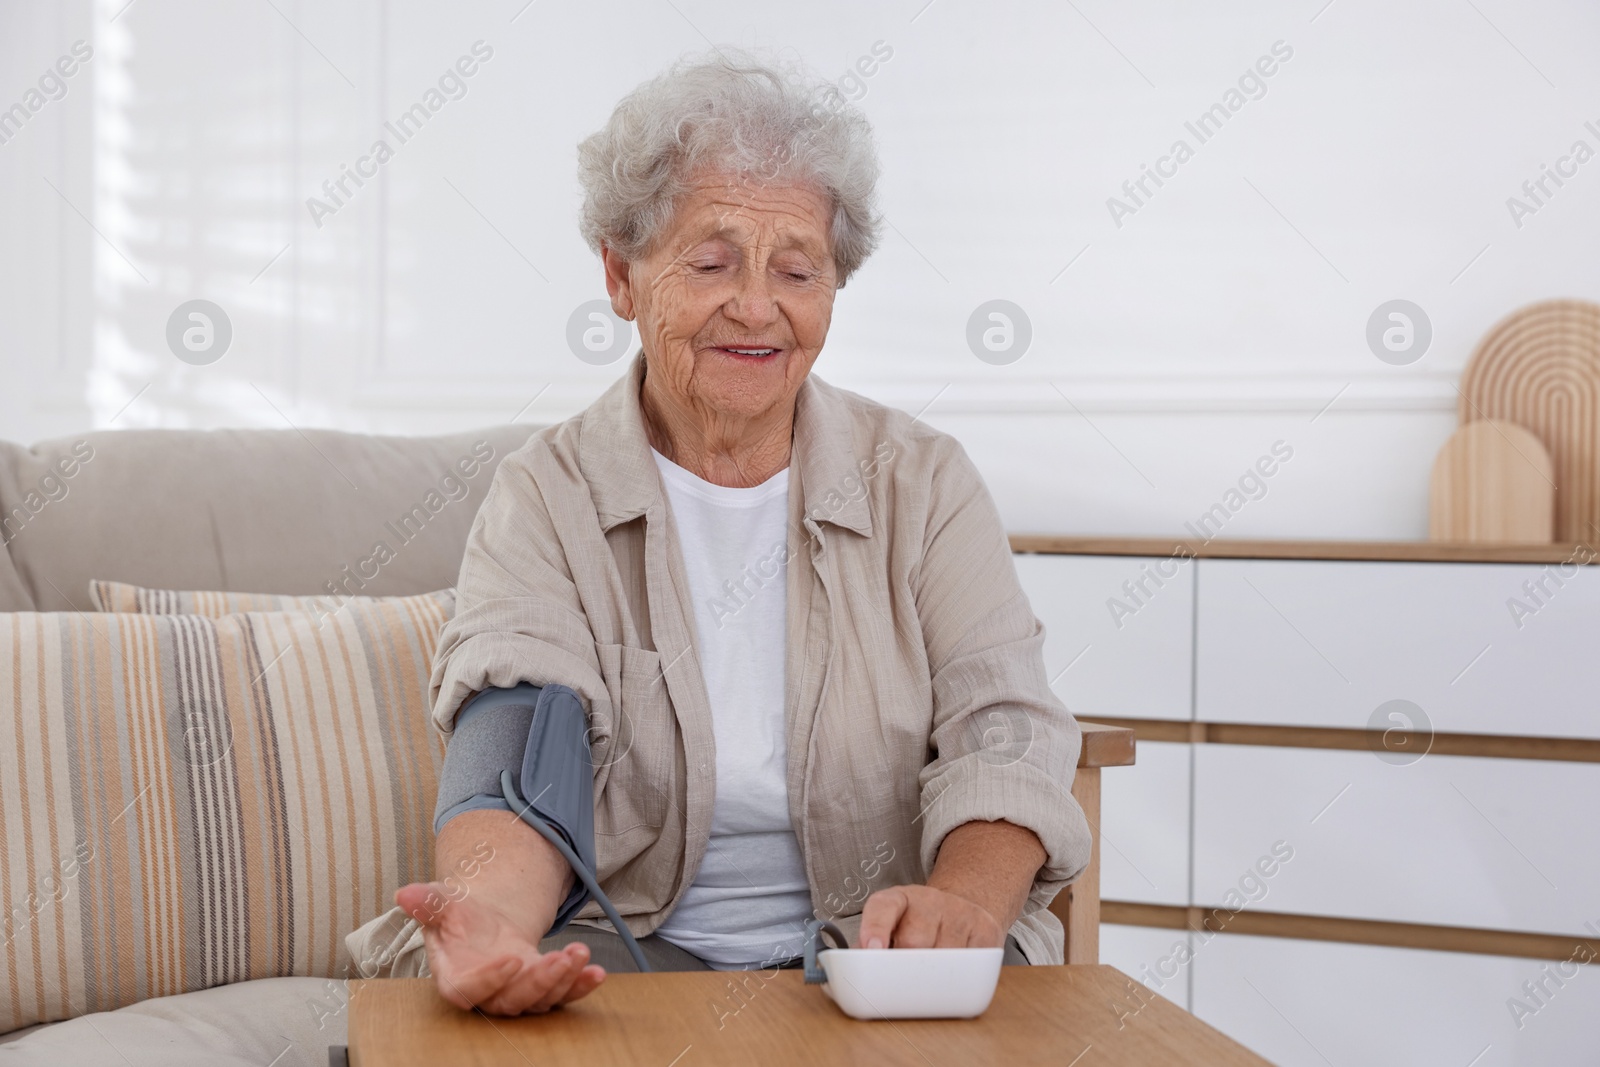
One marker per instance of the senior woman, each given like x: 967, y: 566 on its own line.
x: 813, y: 682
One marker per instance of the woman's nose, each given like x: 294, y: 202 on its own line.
x: 753, y: 304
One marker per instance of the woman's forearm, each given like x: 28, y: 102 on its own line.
x: 513, y: 869
x: 992, y: 864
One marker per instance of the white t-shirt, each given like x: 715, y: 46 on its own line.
x: 749, y: 901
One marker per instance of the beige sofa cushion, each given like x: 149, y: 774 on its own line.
x: 281, y: 1022
x: 137, y: 600
x: 270, y: 511
x: 189, y: 801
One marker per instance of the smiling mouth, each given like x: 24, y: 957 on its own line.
x: 753, y: 352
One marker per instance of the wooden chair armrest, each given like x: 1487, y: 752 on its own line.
x: 1105, y: 746
x: 1078, y: 905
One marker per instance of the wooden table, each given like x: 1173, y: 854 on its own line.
x: 1090, y: 1015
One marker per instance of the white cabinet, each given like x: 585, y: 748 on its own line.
x: 1449, y: 840
x: 1316, y: 1003
x: 1500, y: 844
x: 1304, y: 642
x: 1108, y: 660
x: 1144, y: 827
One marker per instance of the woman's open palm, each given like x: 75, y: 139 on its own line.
x: 480, y: 959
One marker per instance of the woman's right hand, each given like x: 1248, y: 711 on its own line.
x: 481, y: 959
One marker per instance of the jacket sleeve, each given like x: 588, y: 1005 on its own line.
x: 1004, y: 746
x: 519, y: 617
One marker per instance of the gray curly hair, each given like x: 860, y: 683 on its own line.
x: 737, y: 113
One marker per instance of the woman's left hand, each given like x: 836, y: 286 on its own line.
x: 920, y: 916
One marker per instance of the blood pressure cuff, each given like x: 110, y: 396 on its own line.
x: 540, y: 735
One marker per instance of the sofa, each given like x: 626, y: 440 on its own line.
x: 200, y: 794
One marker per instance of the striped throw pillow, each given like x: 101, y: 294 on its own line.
x: 120, y: 596
x: 192, y: 801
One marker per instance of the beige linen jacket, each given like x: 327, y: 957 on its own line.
x: 915, y: 684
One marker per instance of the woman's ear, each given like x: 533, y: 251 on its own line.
x: 619, y: 284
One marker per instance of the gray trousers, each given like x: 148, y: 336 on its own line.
x: 608, y: 950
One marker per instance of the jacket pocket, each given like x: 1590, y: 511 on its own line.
x: 633, y: 748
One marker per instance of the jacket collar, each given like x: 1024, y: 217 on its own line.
x: 614, y: 455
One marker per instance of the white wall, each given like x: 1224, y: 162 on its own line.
x: 1221, y: 317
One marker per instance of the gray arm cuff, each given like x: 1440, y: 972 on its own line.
x: 491, y: 736
x: 476, y: 802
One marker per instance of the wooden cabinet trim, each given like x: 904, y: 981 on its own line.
x: 1355, y: 931
x: 1377, y: 551
x: 1491, y: 746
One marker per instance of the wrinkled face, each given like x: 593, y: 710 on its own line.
x: 733, y: 302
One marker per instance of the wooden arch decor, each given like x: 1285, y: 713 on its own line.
x: 1540, y: 368
x: 1493, y: 483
